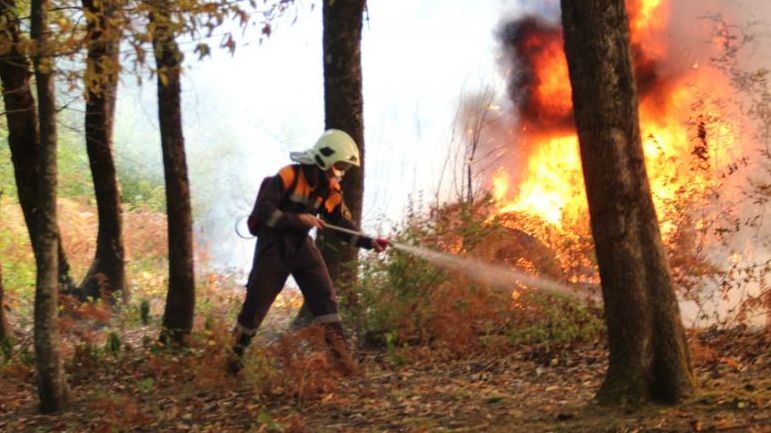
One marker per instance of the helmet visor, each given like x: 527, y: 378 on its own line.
x: 342, y: 166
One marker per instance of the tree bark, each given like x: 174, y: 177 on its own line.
x: 107, y: 274
x: 343, y: 109
x: 649, y: 357
x: 52, y: 386
x: 23, y: 137
x: 180, y: 300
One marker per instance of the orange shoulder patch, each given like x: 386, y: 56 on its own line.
x: 287, y: 176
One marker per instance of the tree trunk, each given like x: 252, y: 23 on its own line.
x: 23, y: 134
x: 649, y: 356
x: 343, y: 109
x: 107, y: 273
x: 52, y: 386
x: 180, y: 301
x: 5, y: 331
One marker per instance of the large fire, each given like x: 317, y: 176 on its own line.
x: 677, y: 112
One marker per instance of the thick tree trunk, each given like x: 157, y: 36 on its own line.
x: 180, y: 301
x: 52, y: 387
x: 107, y: 273
x: 5, y: 331
x: 343, y: 109
x: 23, y: 134
x: 649, y: 357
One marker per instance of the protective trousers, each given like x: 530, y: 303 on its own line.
x: 273, y: 263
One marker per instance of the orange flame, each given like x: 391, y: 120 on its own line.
x: 552, y: 184
x: 552, y: 91
x: 647, y: 24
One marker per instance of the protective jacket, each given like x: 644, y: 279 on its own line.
x: 300, y: 189
x: 284, y: 247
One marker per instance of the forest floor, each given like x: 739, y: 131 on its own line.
x: 520, y: 389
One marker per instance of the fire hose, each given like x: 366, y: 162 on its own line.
x: 382, y: 241
x: 326, y: 225
x: 343, y: 229
x: 490, y: 274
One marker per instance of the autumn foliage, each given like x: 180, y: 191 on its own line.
x: 412, y: 303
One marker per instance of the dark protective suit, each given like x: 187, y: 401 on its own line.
x: 284, y: 246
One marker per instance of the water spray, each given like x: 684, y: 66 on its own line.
x: 489, y: 274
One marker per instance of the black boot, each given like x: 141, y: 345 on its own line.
x: 235, y: 362
x: 341, y: 356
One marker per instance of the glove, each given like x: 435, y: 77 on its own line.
x: 380, y: 244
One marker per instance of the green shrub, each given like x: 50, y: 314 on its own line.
x: 550, y: 319
x: 74, y: 171
x: 112, y: 345
x: 7, y: 180
x: 144, y: 312
x: 141, y: 189
x: 405, y: 299
x: 6, y: 347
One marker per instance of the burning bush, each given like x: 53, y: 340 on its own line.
x: 705, y: 133
x: 410, y: 301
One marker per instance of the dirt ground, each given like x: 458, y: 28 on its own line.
x: 524, y: 389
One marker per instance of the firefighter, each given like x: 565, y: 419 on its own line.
x: 300, y: 197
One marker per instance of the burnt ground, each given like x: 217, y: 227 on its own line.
x: 520, y: 389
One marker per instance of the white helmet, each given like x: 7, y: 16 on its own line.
x: 334, y: 146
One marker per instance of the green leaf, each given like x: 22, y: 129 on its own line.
x: 146, y: 385
x: 266, y: 419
